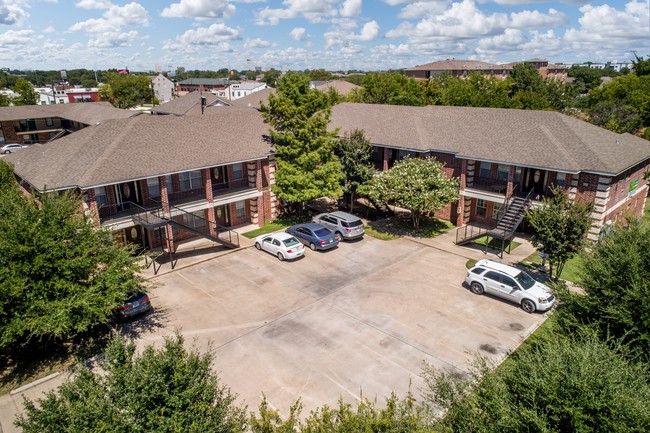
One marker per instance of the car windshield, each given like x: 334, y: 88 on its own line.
x: 355, y: 223
x: 525, y: 280
x: 321, y: 233
x: 290, y: 242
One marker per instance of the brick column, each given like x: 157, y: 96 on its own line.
x: 164, y: 199
x: 209, y: 196
x: 511, y: 181
x: 92, y: 207
x: 257, y: 206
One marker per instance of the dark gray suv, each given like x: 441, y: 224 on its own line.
x: 343, y: 224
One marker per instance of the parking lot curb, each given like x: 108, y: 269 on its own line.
x: 35, y: 383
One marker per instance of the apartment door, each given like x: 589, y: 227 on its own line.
x: 221, y: 215
x: 127, y: 194
x: 219, y: 177
x: 534, y: 180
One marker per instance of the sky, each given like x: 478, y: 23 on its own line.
x: 145, y: 35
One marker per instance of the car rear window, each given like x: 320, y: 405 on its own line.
x: 322, y: 232
x: 290, y: 242
x: 478, y: 271
x: 355, y: 223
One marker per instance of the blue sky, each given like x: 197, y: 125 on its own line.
x: 301, y: 34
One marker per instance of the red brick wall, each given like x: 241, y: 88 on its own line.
x: 620, y: 185
x: 587, y: 186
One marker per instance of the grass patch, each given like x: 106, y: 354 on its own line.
x: 380, y: 234
x: 22, y: 365
x: 470, y: 263
x: 495, y: 244
x: 569, y: 273
x: 645, y: 219
x: 431, y: 227
x: 281, y: 222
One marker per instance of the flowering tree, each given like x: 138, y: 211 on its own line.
x: 416, y: 184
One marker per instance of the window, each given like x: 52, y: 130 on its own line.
x: 49, y: 121
x: 190, y: 180
x: 100, y: 197
x: 481, y: 207
x: 404, y: 153
x: 496, y: 209
x: 240, y: 207
x: 560, y: 180
x: 484, y: 170
x: 517, y: 174
x: 495, y: 276
x: 502, y: 172
x: 153, y: 186
x: 195, y: 220
x: 238, y: 171
x: 2, y: 137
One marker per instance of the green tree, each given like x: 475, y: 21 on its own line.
x: 558, y: 384
x: 304, y: 148
x: 355, y: 153
x: 526, y: 78
x: 585, y: 78
x: 59, y: 275
x: 389, y: 88
x: 395, y: 416
x: 271, y: 77
x: 559, y: 228
x: 165, y: 390
x: 26, y: 93
x: 641, y: 66
x: 615, y: 277
x: 476, y: 91
x: 417, y: 184
x: 126, y: 90
x: 4, y: 100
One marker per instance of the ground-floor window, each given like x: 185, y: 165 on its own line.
x: 481, y: 207
x: 196, y: 220
x: 240, y: 207
x: 496, y: 209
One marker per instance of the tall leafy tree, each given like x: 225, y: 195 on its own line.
x: 26, y: 93
x: 355, y: 153
x: 567, y: 383
x: 304, y: 148
x: 641, y: 65
x: 389, y: 88
x: 126, y: 90
x: 59, y: 275
x: 417, y: 184
x: 166, y: 390
x: 616, y: 280
x: 560, y: 226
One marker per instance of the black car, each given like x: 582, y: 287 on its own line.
x: 137, y: 303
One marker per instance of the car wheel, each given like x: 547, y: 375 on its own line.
x: 476, y: 288
x: 280, y: 256
x: 6, y: 152
x: 339, y: 235
x: 258, y: 246
x: 528, y: 306
x: 312, y: 246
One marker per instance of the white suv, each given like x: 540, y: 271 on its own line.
x: 509, y: 283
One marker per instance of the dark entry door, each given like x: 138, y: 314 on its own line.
x: 221, y: 215
x: 534, y: 180
x: 219, y: 177
x: 127, y: 194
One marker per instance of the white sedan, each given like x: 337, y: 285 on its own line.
x: 282, y: 245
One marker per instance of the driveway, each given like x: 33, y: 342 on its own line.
x: 355, y: 321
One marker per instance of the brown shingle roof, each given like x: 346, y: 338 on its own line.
x: 340, y: 86
x: 253, y: 100
x: 144, y: 146
x: 88, y: 113
x: 524, y: 137
x: 186, y: 104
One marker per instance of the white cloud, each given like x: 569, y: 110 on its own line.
x: 535, y: 19
x: 509, y: 40
x: 424, y: 8
x: 351, y: 8
x: 12, y: 12
x: 94, y: 4
x: 199, y: 9
x: 369, y: 32
x: 256, y: 43
x: 273, y: 16
x: 116, y: 17
x: 298, y: 33
x: 216, y: 34
x: 113, y: 39
x: 16, y: 37
x: 49, y: 29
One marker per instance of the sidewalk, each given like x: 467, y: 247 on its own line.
x: 446, y: 242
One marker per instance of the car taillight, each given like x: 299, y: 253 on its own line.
x: 124, y: 307
x: 289, y: 251
x: 322, y: 242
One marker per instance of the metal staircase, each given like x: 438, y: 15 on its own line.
x: 510, y: 217
x: 155, y: 218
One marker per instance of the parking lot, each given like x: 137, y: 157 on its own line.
x: 357, y: 320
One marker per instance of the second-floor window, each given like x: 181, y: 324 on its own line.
x: 153, y: 186
x: 560, y: 180
x: 49, y: 121
x: 502, y: 172
x: 190, y: 180
x: 100, y: 197
x: 238, y: 171
x: 484, y: 170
